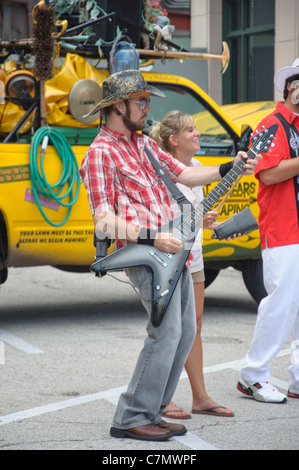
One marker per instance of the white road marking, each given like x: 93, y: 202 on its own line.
x: 19, y: 343
x: 41, y: 410
x: 194, y: 442
x: 190, y: 440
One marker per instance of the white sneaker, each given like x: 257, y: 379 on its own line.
x: 263, y: 391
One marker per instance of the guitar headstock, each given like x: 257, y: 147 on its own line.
x: 261, y: 141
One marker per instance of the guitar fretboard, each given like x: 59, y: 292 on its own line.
x: 191, y: 220
x: 223, y: 185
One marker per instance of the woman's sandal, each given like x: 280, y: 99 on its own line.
x: 211, y: 411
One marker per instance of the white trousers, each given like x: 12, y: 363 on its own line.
x: 278, y: 314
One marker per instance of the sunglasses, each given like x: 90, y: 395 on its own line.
x: 142, y: 103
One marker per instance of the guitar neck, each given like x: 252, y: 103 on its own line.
x: 224, y: 184
x: 190, y: 220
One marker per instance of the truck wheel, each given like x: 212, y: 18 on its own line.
x: 252, y: 272
x: 3, y: 275
x: 210, y: 276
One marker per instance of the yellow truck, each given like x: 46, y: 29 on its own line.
x: 44, y: 215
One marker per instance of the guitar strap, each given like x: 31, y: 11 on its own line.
x: 176, y: 193
x: 293, y: 140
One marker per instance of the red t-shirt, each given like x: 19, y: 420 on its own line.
x: 278, y: 219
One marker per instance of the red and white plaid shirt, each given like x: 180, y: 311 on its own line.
x: 119, y: 178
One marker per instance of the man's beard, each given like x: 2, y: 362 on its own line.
x: 131, y: 125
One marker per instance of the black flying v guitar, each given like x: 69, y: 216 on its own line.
x: 167, y: 267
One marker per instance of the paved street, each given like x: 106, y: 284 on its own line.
x: 68, y: 346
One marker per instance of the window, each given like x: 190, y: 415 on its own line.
x: 216, y: 137
x: 171, y: 5
x: 248, y: 28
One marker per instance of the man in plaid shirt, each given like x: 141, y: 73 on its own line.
x: 128, y: 200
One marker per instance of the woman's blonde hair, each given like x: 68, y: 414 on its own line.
x: 173, y: 123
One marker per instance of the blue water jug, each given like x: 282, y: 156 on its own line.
x: 123, y: 56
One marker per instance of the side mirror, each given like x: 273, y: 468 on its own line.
x: 245, y: 137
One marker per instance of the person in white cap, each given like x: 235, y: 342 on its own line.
x: 129, y: 201
x: 278, y: 200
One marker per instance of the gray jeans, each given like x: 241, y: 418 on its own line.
x: 163, y: 356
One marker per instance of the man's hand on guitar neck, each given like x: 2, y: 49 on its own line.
x: 250, y: 163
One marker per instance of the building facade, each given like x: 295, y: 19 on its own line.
x: 262, y: 35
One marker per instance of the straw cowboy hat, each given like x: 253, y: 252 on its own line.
x: 124, y: 85
x: 283, y: 74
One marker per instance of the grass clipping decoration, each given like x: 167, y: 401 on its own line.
x: 43, y: 44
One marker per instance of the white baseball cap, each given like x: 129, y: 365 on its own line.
x: 283, y: 74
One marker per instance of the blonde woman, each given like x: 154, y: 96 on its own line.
x: 177, y: 134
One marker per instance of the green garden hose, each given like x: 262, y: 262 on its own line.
x: 69, y: 176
